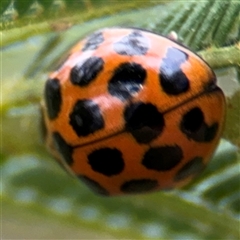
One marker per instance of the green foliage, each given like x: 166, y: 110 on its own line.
x: 41, y: 202
x: 16, y: 13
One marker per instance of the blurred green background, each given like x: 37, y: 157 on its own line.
x: 39, y: 201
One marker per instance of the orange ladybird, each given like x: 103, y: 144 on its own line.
x: 130, y: 111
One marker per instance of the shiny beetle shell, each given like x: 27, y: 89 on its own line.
x: 130, y: 112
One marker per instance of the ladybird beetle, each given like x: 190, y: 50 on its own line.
x: 130, y: 111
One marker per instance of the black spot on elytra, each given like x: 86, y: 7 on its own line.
x: 162, y: 158
x: 211, y: 86
x: 139, y: 186
x: 94, y: 186
x: 86, y: 117
x: 127, y: 80
x: 107, y: 161
x: 53, y: 98
x: 143, y: 121
x: 194, y: 126
x: 93, y: 41
x: 191, y: 168
x: 84, y: 73
x: 133, y: 44
x: 63, y: 148
x: 172, y: 79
